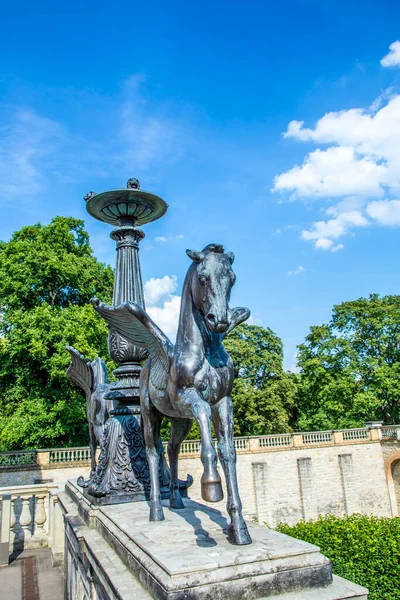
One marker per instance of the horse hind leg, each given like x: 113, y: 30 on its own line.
x: 93, y: 448
x: 179, y: 430
x: 151, y: 419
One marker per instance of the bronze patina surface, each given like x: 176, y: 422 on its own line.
x: 127, y: 205
x: 191, y: 380
x: 113, y: 409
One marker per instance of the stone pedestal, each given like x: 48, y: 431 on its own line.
x: 113, y: 552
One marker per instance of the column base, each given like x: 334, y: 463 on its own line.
x: 122, y: 473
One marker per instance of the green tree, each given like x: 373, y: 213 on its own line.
x: 263, y: 394
x: 350, y: 368
x: 47, y: 276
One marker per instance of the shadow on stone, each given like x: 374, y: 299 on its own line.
x: 203, y: 538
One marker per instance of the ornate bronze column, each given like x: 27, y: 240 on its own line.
x: 128, y: 287
x: 122, y: 473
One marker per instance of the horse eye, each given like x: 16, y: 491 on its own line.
x: 203, y: 279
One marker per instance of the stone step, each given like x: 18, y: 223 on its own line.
x: 340, y: 589
x: 187, y: 556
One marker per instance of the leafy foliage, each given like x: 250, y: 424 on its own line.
x: 47, y: 276
x: 365, y: 550
x: 263, y: 393
x: 350, y: 368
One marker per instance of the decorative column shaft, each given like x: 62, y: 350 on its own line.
x: 122, y: 472
x: 128, y: 287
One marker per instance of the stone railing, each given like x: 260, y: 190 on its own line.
x: 29, y: 518
x: 52, y: 458
x: 391, y: 432
x: 62, y: 457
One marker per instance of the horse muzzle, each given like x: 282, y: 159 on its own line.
x: 216, y: 326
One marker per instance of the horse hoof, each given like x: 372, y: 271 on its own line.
x: 156, y: 514
x: 212, y: 491
x: 238, y: 537
x: 175, y: 501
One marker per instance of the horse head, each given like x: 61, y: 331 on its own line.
x: 211, y: 285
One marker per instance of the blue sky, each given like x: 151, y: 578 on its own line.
x: 195, y: 99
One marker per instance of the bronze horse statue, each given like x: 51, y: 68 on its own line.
x: 191, y: 380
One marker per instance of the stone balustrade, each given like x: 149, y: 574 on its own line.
x: 327, y: 472
x: 61, y: 457
x: 29, y: 518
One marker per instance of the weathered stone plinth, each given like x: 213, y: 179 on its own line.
x: 114, y: 552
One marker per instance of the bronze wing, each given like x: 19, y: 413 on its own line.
x: 80, y: 371
x: 134, y: 324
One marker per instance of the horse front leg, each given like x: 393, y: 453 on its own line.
x: 179, y: 430
x: 222, y: 415
x: 211, y: 488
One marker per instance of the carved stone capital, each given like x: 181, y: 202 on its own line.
x: 127, y: 237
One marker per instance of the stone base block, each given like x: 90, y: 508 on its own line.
x: 186, y: 557
x: 121, y: 497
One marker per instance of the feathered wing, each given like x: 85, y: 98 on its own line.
x: 238, y: 315
x: 80, y: 371
x: 134, y: 324
x: 99, y: 370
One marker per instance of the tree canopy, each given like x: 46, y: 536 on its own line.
x: 350, y: 368
x: 47, y: 276
x: 263, y: 394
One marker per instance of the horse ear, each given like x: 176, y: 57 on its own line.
x: 195, y: 256
x: 231, y: 256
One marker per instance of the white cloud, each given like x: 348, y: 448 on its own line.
x: 334, y: 172
x: 27, y: 141
x: 163, y: 306
x: 157, y: 288
x: 162, y: 239
x: 167, y: 315
x: 360, y: 167
x: 323, y: 232
x: 392, y: 58
x: 299, y: 271
x: 365, y: 141
x: 385, y: 212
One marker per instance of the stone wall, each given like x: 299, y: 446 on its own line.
x: 289, y: 485
x: 59, y: 475
x: 308, y: 477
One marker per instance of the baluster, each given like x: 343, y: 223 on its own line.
x: 40, y: 518
x: 13, y: 520
x: 25, y: 520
